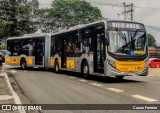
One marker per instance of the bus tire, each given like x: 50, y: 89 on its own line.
x: 85, y: 70
x: 23, y: 64
x: 56, y: 66
x: 119, y: 77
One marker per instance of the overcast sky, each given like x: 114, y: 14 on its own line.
x: 149, y: 13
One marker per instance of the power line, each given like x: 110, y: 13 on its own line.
x: 113, y: 4
x: 147, y: 7
x: 119, y: 5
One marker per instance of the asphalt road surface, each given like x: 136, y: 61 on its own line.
x: 46, y: 87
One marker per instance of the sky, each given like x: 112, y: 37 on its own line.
x: 145, y: 11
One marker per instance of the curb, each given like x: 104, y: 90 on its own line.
x: 15, y: 96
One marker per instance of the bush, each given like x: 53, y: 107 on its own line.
x: 2, y: 47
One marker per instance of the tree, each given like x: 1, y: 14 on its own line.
x: 67, y: 13
x: 5, y: 23
x: 151, y: 40
x: 16, y: 18
x: 35, y: 5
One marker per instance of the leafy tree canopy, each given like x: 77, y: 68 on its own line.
x: 66, y: 13
x: 151, y: 40
x: 16, y: 17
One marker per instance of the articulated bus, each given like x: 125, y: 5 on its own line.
x: 107, y: 48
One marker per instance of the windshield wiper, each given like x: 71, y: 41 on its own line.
x: 122, y: 35
x: 123, y: 47
x: 135, y: 34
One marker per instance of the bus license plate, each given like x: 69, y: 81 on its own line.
x: 130, y: 73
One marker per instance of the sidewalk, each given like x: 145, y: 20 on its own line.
x: 154, y: 72
x: 7, y: 94
x: 10, y: 93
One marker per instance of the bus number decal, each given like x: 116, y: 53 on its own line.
x: 14, y: 60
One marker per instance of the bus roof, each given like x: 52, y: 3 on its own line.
x: 85, y: 25
x: 70, y: 29
x: 30, y: 36
x: 77, y: 27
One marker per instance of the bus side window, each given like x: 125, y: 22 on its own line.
x: 58, y: 45
x: 88, y: 40
x: 15, y: 47
x: 53, y: 46
x: 76, y: 45
x: 27, y: 47
x: 72, y: 44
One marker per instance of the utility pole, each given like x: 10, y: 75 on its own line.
x: 128, y: 10
x: 132, y: 11
x: 125, y: 16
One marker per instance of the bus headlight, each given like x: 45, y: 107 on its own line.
x: 111, y: 63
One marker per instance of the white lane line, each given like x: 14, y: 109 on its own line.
x: 15, y: 96
x: 115, y: 90
x: 72, y: 77
x: 144, y: 98
x: 5, y: 97
x: 96, y: 84
x: 83, y: 80
x: 13, y: 71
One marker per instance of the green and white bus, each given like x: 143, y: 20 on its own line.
x: 107, y: 48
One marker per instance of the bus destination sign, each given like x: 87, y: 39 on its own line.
x: 125, y: 25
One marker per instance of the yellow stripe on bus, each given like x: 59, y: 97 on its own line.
x: 52, y: 62
x: 7, y: 60
x: 15, y: 61
x: 29, y: 61
x: 70, y: 64
x: 130, y: 66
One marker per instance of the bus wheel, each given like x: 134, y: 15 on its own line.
x: 119, y: 77
x: 56, y: 66
x: 85, y: 70
x: 23, y: 64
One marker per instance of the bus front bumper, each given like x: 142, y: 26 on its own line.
x: 111, y: 71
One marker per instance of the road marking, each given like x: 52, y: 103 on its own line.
x: 115, y: 90
x: 5, y: 97
x: 13, y: 71
x: 73, y: 77
x: 83, y: 80
x: 144, y: 98
x: 15, y: 96
x: 96, y: 84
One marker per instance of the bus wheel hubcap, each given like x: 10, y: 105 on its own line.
x: 23, y: 65
x: 56, y: 68
x: 85, y: 69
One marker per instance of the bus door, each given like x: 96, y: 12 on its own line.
x: 99, y: 51
x: 64, y: 52
x: 39, y: 51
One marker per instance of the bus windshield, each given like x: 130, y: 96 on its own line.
x: 127, y: 42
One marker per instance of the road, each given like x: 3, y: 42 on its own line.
x: 46, y: 87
